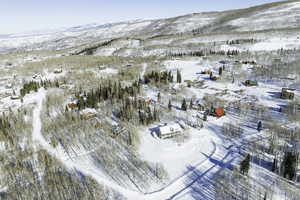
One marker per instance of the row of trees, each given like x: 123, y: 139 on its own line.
x: 35, y: 85
x: 107, y: 90
x: 137, y: 108
x: 240, y: 41
x: 162, y: 77
x: 202, y: 53
x: 158, y: 77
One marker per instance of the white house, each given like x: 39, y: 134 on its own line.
x: 58, y: 71
x: 169, y: 130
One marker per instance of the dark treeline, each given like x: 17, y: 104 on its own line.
x: 205, y: 52
x: 158, y: 77
x: 107, y: 90
x: 5, y: 126
x: 34, y: 86
x: 137, y: 108
x: 129, y: 106
x: 240, y: 41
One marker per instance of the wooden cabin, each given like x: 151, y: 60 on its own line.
x: 218, y: 112
x: 287, y: 93
x: 148, y: 101
x: 72, y: 105
x: 88, y: 114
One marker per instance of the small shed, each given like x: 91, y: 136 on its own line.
x: 72, y: 105
x: 250, y: 83
x: 169, y: 131
x: 287, y: 93
x: 88, y: 114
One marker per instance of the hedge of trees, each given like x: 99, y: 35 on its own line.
x: 158, y: 77
x: 107, y: 90
x: 35, y: 85
x: 205, y: 52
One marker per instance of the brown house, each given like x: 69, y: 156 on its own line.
x: 219, y: 112
x: 72, y: 105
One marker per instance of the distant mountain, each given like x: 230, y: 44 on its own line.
x: 279, y: 15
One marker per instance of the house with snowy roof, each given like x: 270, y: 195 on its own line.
x: 170, y: 130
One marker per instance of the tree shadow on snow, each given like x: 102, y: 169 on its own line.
x: 199, y: 184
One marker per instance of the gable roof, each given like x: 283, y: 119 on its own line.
x: 219, y: 112
x: 171, y: 128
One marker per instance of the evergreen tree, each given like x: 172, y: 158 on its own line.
x: 189, y: 85
x: 290, y: 165
x: 220, y: 71
x: 205, y: 117
x: 274, y: 165
x: 57, y: 84
x: 259, y: 126
x: 170, y: 105
x: 178, y: 76
x: 158, y: 97
x: 191, y: 104
x: 265, y: 196
x: 183, y: 105
x: 245, y: 165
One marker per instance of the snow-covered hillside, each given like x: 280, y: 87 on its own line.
x: 270, y: 16
x: 204, y: 106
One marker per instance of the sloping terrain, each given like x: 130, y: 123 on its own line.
x: 84, y: 110
x: 278, y: 15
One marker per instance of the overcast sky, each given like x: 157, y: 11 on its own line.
x: 25, y: 15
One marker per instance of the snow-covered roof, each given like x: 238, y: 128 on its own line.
x: 170, y: 128
x: 200, y: 101
x: 89, y: 110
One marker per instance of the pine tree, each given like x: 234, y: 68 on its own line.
x: 274, y: 165
x: 158, y: 97
x: 183, y: 105
x: 191, y: 104
x: 290, y: 165
x: 220, y: 71
x: 265, y: 196
x: 245, y: 165
x: 205, y: 117
x: 170, y: 105
x: 259, y: 126
x: 178, y: 76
